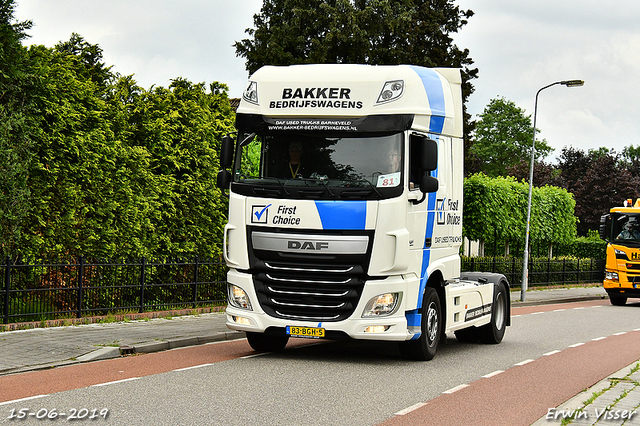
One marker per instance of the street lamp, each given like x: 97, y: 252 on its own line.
x: 525, y: 262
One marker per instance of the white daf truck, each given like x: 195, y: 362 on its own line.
x: 345, y: 211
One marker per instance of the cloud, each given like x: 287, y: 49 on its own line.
x: 517, y: 46
x: 520, y: 47
x: 157, y: 40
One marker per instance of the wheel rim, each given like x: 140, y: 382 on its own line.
x: 432, y: 323
x: 499, y: 311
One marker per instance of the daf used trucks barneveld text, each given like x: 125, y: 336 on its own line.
x: 345, y: 211
x: 621, y: 229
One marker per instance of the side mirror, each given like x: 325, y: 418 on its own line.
x: 226, y: 152
x: 604, y: 227
x: 426, y: 152
x: 429, y: 159
x: 428, y: 184
x: 224, y: 179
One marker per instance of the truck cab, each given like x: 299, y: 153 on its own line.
x: 621, y: 229
x: 345, y: 210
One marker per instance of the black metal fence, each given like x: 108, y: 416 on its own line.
x: 542, y: 272
x: 51, y: 290
x: 62, y: 289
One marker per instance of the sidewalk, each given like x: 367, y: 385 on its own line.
x: 40, y: 348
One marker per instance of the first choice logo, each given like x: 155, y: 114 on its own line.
x: 307, y: 245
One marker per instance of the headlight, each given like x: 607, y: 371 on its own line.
x: 251, y: 93
x: 391, y: 91
x: 382, y: 305
x: 237, y: 297
x: 612, y: 276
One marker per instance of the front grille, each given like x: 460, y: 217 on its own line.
x: 309, y: 287
x: 633, y: 266
x: 308, y: 297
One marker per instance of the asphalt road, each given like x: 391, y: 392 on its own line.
x: 342, y: 383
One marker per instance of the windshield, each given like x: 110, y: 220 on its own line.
x: 626, y: 228
x: 372, y: 164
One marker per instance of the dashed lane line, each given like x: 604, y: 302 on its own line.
x: 456, y: 389
x: 23, y: 399
x: 193, y: 367
x: 495, y: 373
x: 407, y: 410
x: 116, y: 382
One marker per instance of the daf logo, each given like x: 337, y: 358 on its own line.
x: 307, y: 245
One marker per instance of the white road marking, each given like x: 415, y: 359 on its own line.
x: 410, y: 409
x: 116, y: 381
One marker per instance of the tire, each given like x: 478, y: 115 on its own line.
x: 493, y: 332
x: 618, y: 300
x: 267, y: 342
x: 424, y: 348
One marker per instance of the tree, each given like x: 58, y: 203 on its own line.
x: 503, y: 137
x: 495, y: 210
x: 176, y: 206
x: 73, y: 205
x: 543, y: 173
x: 598, y: 181
x: 113, y: 170
x: 631, y: 159
x: 15, y: 128
x: 90, y: 56
x: 377, y: 32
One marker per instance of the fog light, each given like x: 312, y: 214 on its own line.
x: 382, y: 305
x: 237, y: 297
x: 241, y: 320
x: 376, y: 328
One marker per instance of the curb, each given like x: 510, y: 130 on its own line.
x: 163, y: 345
x: 517, y: 303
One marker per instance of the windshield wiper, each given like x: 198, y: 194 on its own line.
x: 370, y: 185
x: 320, y: 179
x: 263, y: 178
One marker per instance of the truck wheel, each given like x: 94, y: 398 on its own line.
x: 424, y: 348
x: 493, y: 332
x: 267, y: 342
x: 618, y: 300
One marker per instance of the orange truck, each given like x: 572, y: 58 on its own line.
x: 621, y: 230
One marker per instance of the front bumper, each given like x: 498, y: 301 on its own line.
x: 355, y: 327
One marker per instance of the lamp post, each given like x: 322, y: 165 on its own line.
x: 525, y: 262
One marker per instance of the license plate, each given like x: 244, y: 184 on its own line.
x: 305, y: 332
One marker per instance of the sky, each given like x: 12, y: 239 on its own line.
x: 518, y: 47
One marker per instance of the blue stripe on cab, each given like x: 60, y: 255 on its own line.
x: 342, y: 214
x: 435, y: 95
